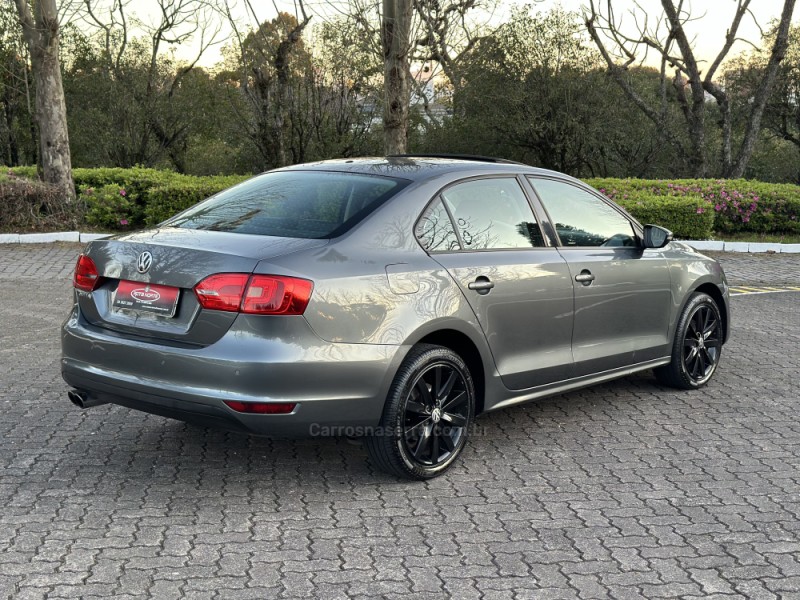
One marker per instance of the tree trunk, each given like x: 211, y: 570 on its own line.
x: 725, y: 124
x: 10, y: 110
x: 42, y: 36
x: 34, y: 148
x: 763, y: 91
x: 51, y: 113
x: 697, y: 135
x: 395, y: 30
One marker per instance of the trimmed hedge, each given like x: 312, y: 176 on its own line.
x: 738, y: 205
x: 168, y: 199
x: 110, y: 207
x: 120, y: 199
x: 687, y: 217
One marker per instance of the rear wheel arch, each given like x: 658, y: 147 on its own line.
x: 462, y: 344
x: 427, y: 416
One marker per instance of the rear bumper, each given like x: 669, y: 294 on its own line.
x: 338, y: 388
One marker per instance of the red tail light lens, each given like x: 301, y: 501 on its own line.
x: 221, y: 292
x: 255, y: 294
x: 86, y: 275
x: 261, y: 408
x: 277, y: 295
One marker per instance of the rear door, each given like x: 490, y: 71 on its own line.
x: 622, y: 291
x: 518, y: 286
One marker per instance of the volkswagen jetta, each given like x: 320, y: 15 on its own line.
x: 393, y: 299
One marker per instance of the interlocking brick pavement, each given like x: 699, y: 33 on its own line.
x: 625, y: 490
x: 770, y: 269
x: 42, y: 261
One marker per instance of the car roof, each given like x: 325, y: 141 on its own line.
x: 421, y: 167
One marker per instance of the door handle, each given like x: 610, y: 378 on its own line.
x: 585, y: 277
x: 482, y: 285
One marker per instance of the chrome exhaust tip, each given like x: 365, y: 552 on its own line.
x: 83, y: 400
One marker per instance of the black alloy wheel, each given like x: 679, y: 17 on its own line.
x: 697, y: 345
x: 436, y: 414
x: 427, y: 415
x: 702, y: 344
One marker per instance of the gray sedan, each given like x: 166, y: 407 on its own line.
x: 391, y: 299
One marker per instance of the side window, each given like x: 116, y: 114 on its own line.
x: 581, y: 218
x: 493, y: 214
x: 435, y: 229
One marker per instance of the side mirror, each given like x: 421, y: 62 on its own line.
x: 656, y: 237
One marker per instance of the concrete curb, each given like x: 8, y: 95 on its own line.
x: 745, y: 247
x: 701, y: 245
x: 48, y: 238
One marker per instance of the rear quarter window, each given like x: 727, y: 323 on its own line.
x: 298, y: 204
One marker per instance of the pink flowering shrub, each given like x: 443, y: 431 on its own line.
x: 737, y: 205
x: 109, y: 207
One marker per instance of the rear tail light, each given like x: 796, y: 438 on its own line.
x: 276, y: 295
x: 255, y: 294
x: 86, y: 276
x: 222, y: 292
x: 261, y: 408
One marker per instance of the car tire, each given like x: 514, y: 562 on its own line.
x: 697, y: 346
x: 427, y: 415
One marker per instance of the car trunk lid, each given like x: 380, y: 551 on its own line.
x: 178, y: 259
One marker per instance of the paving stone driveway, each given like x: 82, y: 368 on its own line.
x: 625, y: 490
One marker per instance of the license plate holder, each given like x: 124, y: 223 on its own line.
x: 150, y: 298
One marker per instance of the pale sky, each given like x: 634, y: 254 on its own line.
x: 708, y: 31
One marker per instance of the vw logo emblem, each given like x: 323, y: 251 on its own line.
x: 144, y: 262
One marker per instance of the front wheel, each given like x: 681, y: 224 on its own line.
x: 427, y: 415
x: 697, y: 346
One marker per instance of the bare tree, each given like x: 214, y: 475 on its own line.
x: 177, y: 22
x: 386, y: 30
x: 16, y: 101
x: 266, y: 57
x: 447, y: 33
x: 432, y: 34
x: 667, y: 37
x: 41, y: 32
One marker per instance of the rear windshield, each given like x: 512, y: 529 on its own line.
x: 298, y: 204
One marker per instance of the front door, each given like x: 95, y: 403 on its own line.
x: 622, y: 291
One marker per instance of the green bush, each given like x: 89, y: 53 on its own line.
x: 168, y: 199
x: 687, y: 217
x: 146, y: 187
x: 136, y: 180
x: 738, y: 205
x: 28, y: 172
x: 110, y: 207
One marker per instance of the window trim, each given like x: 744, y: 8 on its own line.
x: 438, y: 196
x: 635, y: 225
